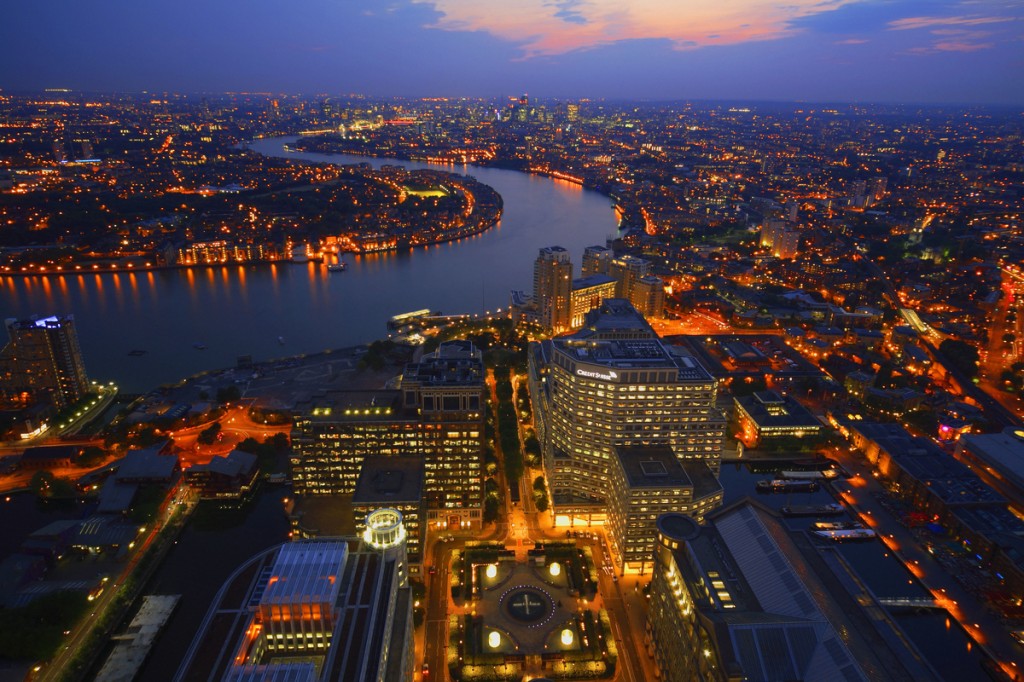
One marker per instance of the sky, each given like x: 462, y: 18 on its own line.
x: 915, y: 51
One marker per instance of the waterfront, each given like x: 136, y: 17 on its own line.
x: 274, y: 310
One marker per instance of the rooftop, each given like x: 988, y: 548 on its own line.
x: 1004, y: 450
x: 306, y: 573
x: 659, y: 467
x: 387, y: 480
x: 591, y: 281
x: 768, y: 408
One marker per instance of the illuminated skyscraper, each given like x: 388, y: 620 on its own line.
x: 614, y: 383
x: 42, y: 362
x: 552, y: 288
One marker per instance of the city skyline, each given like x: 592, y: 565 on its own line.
x: 841, y: 50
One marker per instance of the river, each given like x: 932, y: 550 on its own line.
x: 273, y: 310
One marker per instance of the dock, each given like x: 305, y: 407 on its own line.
x: 133, y: 646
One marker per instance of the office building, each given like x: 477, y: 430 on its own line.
x: 43, y: 363
x: 611, y: 384
x: 317, y: 610
x: 552, y: 286
x: 740, y: 598
x: 647, y: 482
x: 393, y: 483
x: 588, y: 293
x: 436, y: 416
x: 766, y: 415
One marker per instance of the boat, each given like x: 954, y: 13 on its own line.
x: 780, y: 485
x: 810, y: 475
x: 812, y: 510
x: 846, y: 535
x: 337, y: 267
x: 280, y: 340
x: 836, y: 525
x: 199, y: 346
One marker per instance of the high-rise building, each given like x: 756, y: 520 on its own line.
x: 635, y: 283
x: 781, y: 240
x: 611, y: 384
x: 588, y: 293
x: 436, y: 415
x: 552, y: 288
x: 42, y: 362
x: 648, y: 296
x: 647, y: 482
x: 596, y: 260
x: 394, y: 483
x: 317, y: 610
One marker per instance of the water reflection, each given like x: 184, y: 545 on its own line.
x: 243, y: 309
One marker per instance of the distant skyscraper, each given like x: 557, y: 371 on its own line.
x: 43, y: 360
x: 552, y: 288
x: 59, y: 155
x: 635, y: 283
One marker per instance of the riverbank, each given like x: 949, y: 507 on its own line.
x: 481, y: 208
x: 628, y: 217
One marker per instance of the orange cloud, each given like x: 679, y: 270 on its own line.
x: 549, y: 27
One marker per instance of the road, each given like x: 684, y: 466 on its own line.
x: 236, y: 426
x: 82, y: 631
x: 521, y: 526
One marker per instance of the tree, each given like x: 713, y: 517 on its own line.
x: 208, y: 436
x: 532, y: 448
x: 963, y: 356
x: 228, y: 394
x: 490, y: 509
x: 91, y: 456
x: 41, y: 483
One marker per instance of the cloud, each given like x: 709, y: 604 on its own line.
x: 553, y: 27
x: 911, y: 23
x: 568, y: 10
x: 952, y: 33
x: 852, y: 41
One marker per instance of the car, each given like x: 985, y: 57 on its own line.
x: 432, y: 570
x: 425, y: 670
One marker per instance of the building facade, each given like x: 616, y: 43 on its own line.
x: 42, y: 362
x: 317, y: 610
x: 735, y: 600
x: 647, y: 482
x: 436, y: 416
x: 614, y: 383
x: 552, y: 288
